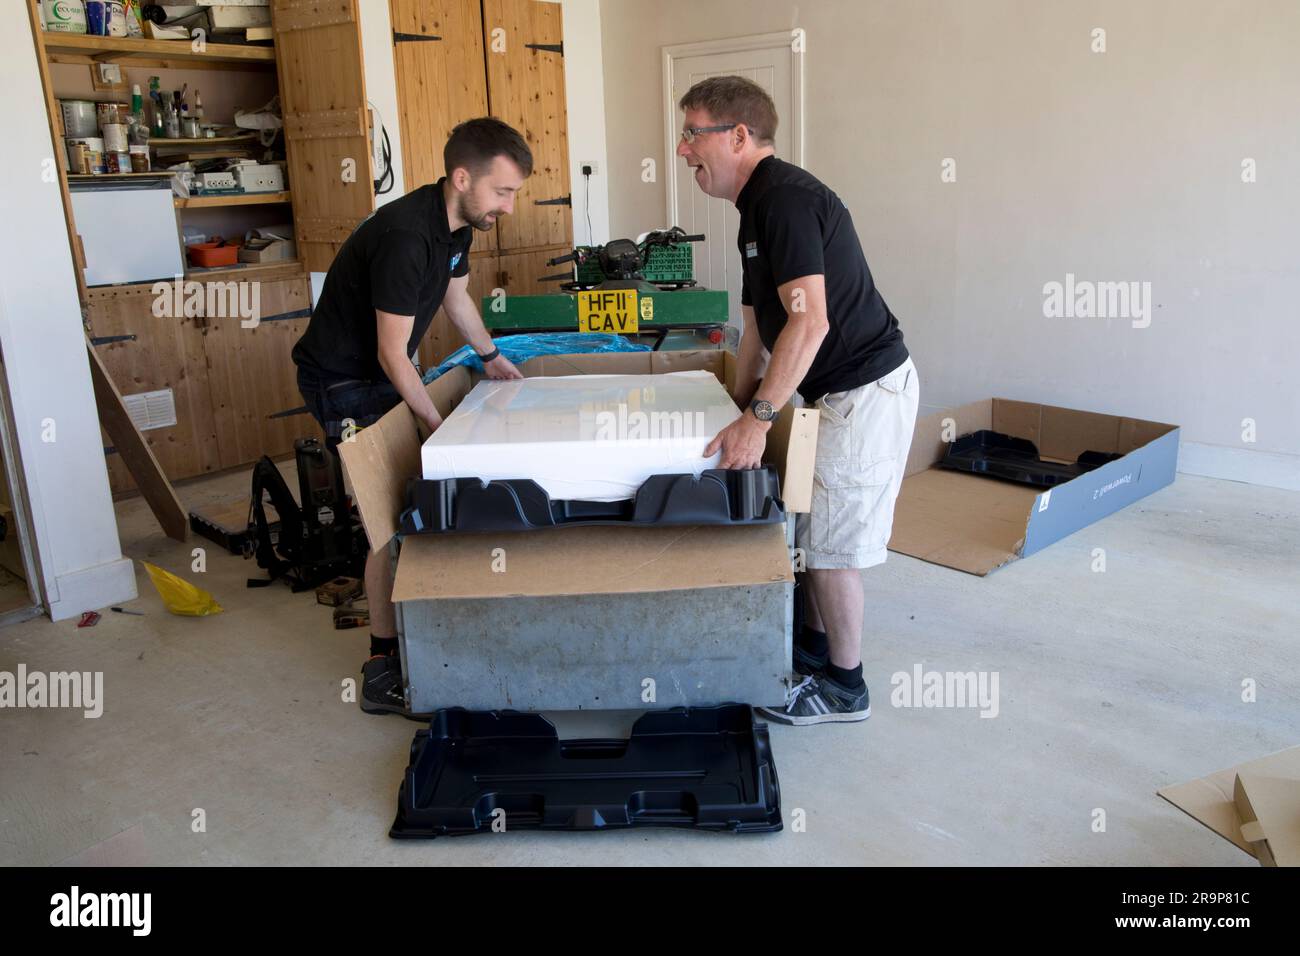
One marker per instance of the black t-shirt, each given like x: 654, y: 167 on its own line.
x: 399, y: 260
x: 791, y: 225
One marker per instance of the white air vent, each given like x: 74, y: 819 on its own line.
x: 151, y: 409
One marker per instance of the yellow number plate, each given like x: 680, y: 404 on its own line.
x: 607, y: 311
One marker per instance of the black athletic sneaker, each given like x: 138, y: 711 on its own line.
x: 819, y: 700
x: 381, y: 686
x: 810, y: 665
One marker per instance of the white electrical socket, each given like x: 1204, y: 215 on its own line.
x: 110, y: 73
x: 595, y: 166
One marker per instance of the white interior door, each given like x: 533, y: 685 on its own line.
x: 773, y: 63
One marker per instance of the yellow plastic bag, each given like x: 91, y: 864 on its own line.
x: 180, y: 596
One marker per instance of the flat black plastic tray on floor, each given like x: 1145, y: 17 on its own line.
x: 717, y: 497
x: 706, y: 768
x: 997, y: 455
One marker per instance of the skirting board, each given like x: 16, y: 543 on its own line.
x: 1273, y: 469
x: 91, y: 589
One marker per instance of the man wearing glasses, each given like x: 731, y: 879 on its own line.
x: 814, y: 318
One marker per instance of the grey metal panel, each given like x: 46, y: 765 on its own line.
x: 700, y: 646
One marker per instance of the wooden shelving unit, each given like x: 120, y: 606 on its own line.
x: 203, y: 141
x: 75, y: 48
x: 108, y: 177
x: 240, y: 199
x: 266, y: 271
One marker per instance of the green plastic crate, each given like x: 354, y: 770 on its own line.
x: 675, y: 263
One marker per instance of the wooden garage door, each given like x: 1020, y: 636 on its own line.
x: 438, y: 62
x: 326, y: 123
x: 525, y: 73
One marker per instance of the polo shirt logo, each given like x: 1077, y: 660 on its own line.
x: 751, y: 250
x: 454, y: 259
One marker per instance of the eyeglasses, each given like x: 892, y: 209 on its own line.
x: 691, y: 132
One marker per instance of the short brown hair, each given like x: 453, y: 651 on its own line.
x: 475, y: 143
x: 734, y: 99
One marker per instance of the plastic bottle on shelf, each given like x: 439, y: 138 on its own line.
x: 158, y: 129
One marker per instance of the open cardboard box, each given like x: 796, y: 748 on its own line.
x: 571, y: 561
x: 977, y: 524
x: 1255, y: 805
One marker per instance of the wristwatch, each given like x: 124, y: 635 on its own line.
x: 764, y: 411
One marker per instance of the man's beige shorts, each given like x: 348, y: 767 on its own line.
x: 862, y: 442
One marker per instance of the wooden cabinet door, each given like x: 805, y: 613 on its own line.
x: 251, y: 374
x: 525, y: 74
x: 520, y: 273
x: 438, y: 62
x: 155, y: 354
x: 326, y: 122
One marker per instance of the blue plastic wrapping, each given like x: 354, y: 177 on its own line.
x: 520, y: 348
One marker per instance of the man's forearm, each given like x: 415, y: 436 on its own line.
x: 465, y: 317
x: 406, y: 380
x: 792, y: 356
x: 749, y: 366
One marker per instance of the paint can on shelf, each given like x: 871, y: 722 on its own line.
x: 139, y: 159
x: 93, y: 159
x: 114, y: 138
x: 79, y: 118
x: 64, y: 16
x: 79, y: 159
x: 96, y: 18
x: 115, y: 18
x: 106, y: 114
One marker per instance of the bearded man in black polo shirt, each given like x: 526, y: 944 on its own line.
x: 813, y: 316
x: 355, y: 361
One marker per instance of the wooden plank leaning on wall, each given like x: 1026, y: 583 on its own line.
x: 130, y: 444
x: 327, y: 140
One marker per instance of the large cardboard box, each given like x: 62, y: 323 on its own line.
x: 567, y: 617
x: 1255, y: 805
x: 978, y: 524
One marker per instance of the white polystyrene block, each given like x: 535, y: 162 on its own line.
x: 590, y: 437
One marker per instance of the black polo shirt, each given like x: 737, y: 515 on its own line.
x: 791, y: 225
x: 399, y: 260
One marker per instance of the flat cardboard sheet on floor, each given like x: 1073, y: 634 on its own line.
x: 977, y: 524
x: 1265, y: 792
x: 594, y: 560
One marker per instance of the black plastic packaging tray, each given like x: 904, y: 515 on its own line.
x: 997, y: 455
x: 718, y: 497
x: 706, y: 768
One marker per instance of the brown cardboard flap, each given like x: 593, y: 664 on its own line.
x: 1269, y: 808
x: 1062, y: 434
x: 1211, y: 799
x: 589, y: 560
x: 970, y: 524
x: 1018, y: 419
x: 1134, y: 433
x: 698, y: 360
x: 380, y: 458
x: 931, y: 435
x: 1068, y: 433
x: 792, y: 447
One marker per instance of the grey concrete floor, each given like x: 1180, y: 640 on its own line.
x: 1112, y: 685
